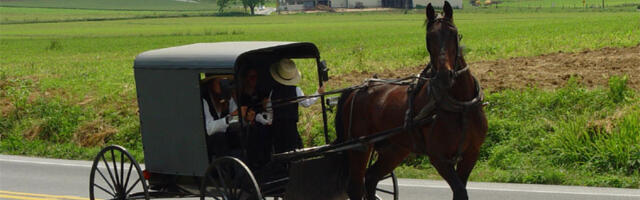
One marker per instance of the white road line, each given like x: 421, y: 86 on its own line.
x: 521, y: 190
x: 44, y: 163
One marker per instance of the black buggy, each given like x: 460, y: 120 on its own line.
x: 177, y: 163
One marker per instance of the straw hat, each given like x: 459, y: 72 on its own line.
x: 285, y: 72
x: 209, y: 76
x: 207, y: 79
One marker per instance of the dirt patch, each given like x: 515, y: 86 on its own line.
x: 592, y: 68
x: 93, y: 133
x: 6, y: 106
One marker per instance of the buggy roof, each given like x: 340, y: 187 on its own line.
x: 221, y: 55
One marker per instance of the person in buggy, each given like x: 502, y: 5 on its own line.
x: 259, y: 115
x: 220, y: 113
x: 284, y: 128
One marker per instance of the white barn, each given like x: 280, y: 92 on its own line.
x: 353, y: 3
x: 456, y: 4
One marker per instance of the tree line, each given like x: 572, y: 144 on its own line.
x: 251, y: 4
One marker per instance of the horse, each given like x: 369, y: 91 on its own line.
x: 442, y: 115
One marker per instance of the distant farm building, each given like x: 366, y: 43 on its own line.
x: 294, y: 5
x: 456, y: 4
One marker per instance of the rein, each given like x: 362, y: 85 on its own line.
x: 438, y: 100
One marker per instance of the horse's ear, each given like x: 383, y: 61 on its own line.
x: 448, y: 11
x: 431, y: 14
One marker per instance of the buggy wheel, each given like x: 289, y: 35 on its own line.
x: 228, y: 178
x: 388, y: 192
x: 118, y: 176
x: 385, y: 192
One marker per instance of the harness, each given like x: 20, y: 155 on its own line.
x: 438, y: 100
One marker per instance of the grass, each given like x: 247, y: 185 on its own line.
x: 68, y: 88
x: 114, y: 4
x: 18, y: 15
x: 34, y: 11
x: 46, y: 11
x: 566, y: 4
x: 570, y: 136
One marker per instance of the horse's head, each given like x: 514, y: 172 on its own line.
x: 442, y: 44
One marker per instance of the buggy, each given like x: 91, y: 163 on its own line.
x: 176, y: 159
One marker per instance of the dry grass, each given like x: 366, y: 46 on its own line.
x: 33, y: 132
x: 607, y: 124
x: 5, y: 103
x: 93, y: 133
x: 6, y: 106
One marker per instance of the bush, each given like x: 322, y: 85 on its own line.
x: 575, y: 144
x: 618, y: 90
x: 54, y: 45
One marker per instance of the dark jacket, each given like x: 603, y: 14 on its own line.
x: 287, y: 111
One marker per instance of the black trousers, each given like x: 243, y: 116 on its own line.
x: 260, y: 145
x: 223, y: 144
x: 285, y: 135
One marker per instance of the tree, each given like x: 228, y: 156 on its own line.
x: 252, y: 4
x: 222, y: 4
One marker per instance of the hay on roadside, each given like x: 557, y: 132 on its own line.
x: 93, y: 133
x: 33, y: 132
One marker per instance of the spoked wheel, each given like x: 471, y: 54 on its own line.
x: 115, y: 174
x: 228, y: 178
x: 385, y: 191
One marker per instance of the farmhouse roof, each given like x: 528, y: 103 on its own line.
x: 221, y: 55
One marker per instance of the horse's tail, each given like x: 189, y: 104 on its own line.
x: 340, y: 132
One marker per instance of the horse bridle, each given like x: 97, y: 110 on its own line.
x: 429, y: 73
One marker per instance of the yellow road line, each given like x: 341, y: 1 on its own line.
x: 22, y: 198
x: 48, y: 196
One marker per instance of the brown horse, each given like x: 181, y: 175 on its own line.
x: 442, y: 114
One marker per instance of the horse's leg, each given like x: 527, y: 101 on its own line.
x: 388, y: 159
x: 357, y: 167
x: 446, y: 170
x: 464, y: 167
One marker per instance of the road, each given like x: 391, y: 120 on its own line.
x: 265, y: 11
x: 29, y: 178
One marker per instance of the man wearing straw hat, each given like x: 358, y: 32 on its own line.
x: 284, y: 129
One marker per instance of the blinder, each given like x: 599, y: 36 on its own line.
x: 430, y: 72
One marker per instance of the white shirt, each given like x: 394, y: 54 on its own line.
x: 307, y: 102
x: 219, y: 125
x: 266, y: 117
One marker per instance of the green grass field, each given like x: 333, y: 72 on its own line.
x: 64, y: 82
x: 566, y: 3
x: 137, y: 5
x: 18, y: 15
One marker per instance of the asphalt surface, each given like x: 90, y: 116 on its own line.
x: 37, y: 178
x: 265, y: 11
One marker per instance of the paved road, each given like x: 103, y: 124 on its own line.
x: 36, y: 178
x: 265, y: 11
